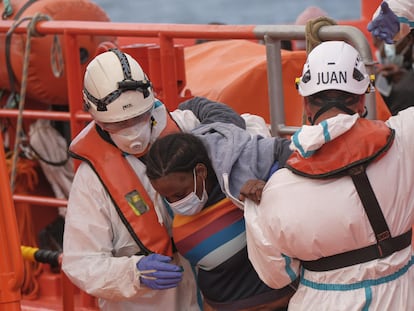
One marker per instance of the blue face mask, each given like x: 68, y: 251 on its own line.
x: 191, y: 204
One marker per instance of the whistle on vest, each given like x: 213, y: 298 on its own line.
x: 136, y: 202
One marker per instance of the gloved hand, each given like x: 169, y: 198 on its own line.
x: 252, y: 189
x: 157, y: 273
x: 386, y: 25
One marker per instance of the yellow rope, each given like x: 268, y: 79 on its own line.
x: 313, y: 39
x: 312, y: 31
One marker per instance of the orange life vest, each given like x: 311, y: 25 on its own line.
x: 128, y: 195
x: 367, y: 140
x: 350, y: 154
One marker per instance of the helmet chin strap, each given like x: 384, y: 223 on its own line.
x: 326, y: 103
x: 331, y: 104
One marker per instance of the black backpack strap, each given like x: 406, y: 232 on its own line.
x: 385, y: 246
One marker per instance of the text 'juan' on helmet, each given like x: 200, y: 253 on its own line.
x: 333, y: 65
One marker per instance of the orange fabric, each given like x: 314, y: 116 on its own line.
x: 40, y: 74
x: 348, y: 149
x: 25, y: 183
x: 132, y: 200
x: 235, y: 72
x: 383, y: 113
x: 114, y: 170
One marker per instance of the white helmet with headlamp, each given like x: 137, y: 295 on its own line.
x: 333, y: 65
x: 116, y: 88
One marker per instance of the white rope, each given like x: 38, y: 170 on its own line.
x: 51, y: 146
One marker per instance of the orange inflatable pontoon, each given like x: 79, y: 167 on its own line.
x: 234, y: 72
x: 43, y: 85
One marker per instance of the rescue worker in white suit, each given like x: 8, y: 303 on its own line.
x: 340, y: 213
x: 392, y: 20
x: 117, y: 242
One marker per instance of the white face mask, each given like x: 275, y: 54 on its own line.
x: 191, y: 204
x: 134, y: 139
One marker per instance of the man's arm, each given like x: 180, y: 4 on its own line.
x: 208, y: 111
x: 274, y: 268
x: 88, y: 260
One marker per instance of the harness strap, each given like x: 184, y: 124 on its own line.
x: 385, y: 246
x: 373, y: 210
x: 356, y: 256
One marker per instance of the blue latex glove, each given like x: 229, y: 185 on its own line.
x: 157, y: 273
x: 386, y: 25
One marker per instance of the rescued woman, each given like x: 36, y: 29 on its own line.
x: 208, y: 227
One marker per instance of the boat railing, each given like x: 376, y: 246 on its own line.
x: 165, y: 34
x: 272, y: 37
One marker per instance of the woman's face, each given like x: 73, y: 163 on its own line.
x: 176, y: 186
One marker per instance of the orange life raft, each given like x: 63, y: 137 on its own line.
x: 42, y: 85
x: 235, y: 72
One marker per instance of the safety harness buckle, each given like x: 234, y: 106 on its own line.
x: 384, y: 244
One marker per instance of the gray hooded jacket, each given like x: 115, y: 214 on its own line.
x: 238, y: 156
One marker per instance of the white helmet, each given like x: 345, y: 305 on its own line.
x: 333, y: 65
x: 116, y: 88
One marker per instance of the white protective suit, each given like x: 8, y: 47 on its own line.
x: 305, y: 219
x: 404, y: 9
x: 99, y: 251
x: 101, y: 262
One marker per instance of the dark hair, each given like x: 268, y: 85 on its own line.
x: 333, y: 96
x: 179, y: 152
